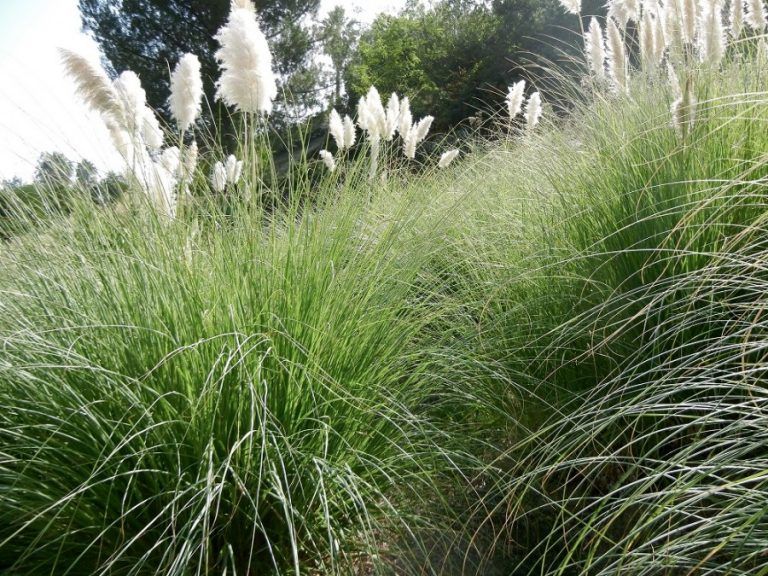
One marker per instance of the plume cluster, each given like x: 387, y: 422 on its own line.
x: 133, y: 126
x: 342, y: 131
x: 226, y: 173
x: 371, y: 117
x: 380, y: 123
x: 671, y: 32
x: 416, y: 135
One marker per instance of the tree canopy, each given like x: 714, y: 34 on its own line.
x: 459, y: 56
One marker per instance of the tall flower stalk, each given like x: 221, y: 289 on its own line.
x: 617, y: 58
x: 247, y: 80
x: 594, y: 49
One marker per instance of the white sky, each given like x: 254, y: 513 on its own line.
x: 39, y: 111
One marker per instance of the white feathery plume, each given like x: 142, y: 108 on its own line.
x: 370, y: 115
x: 376, y: 111
x: 690, y: 18
x: 712, y: 33
x: 363, y: 118
x: 247, y: 81
x: 447, y: 158
x: 674, y: 81
x: 185, y: 101
x: 349, y: 132
x: 243, y: 4
x: 672, y: 16
x: 124, y: 142
x: 755, y: 15
x: 416, y: 135
x: 515, y: 99
x: 170, y: 164
x: 328, y: 160
x: 633, y: 9
x: 170, y: 159
x: 533, y: 111
x: 405, y: 120
x: 336, y: 128
x: 684, y: 109
x: 571, y: 6
x: 623, y: 11
x: 422, y: 128
x: 410, y: 143
x: 92, y: 83
x: 137, y: 118
x: 133, y: 101
x: 648, y: 40
x: 234, y: 169
x: 660, y: 36
x: 151, y: 131
x: 161, y: 191
x: 219, y: 177
x: 375, y: 151
x: 617, y: 57
x: 190, y: 158
x: 372, y: 119
x: 736, y: 17
x: 594, y: 48
x: 189, y: 164
x: 159, y: 180
x: 618, y: 11
x: 392, y: 117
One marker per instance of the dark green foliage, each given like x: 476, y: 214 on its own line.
x: 460, y: 56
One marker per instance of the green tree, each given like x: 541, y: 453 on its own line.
x: 338, y: 36
x: 458, y: 56
x: 14, y: 182
x: 86, y: 174
x: 149, y: 36
x: 54, y: 169
x: 108, y: 190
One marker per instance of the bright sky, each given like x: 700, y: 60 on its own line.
x: 39, y: 111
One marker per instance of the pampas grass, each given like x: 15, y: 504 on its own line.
x: 92, y: 83
x: 447, y: 157
x: 617, y: 58
x: 247, y: 81
x: 515, y: 99
x: 186, y: 91
x: 547, y: 359
x: 594, y: 48
x: 328, y: 160
x: 533, y: 111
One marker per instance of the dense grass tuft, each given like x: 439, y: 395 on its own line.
x: 547, y: 359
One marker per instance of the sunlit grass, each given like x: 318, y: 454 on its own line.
x: 546, y: 359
